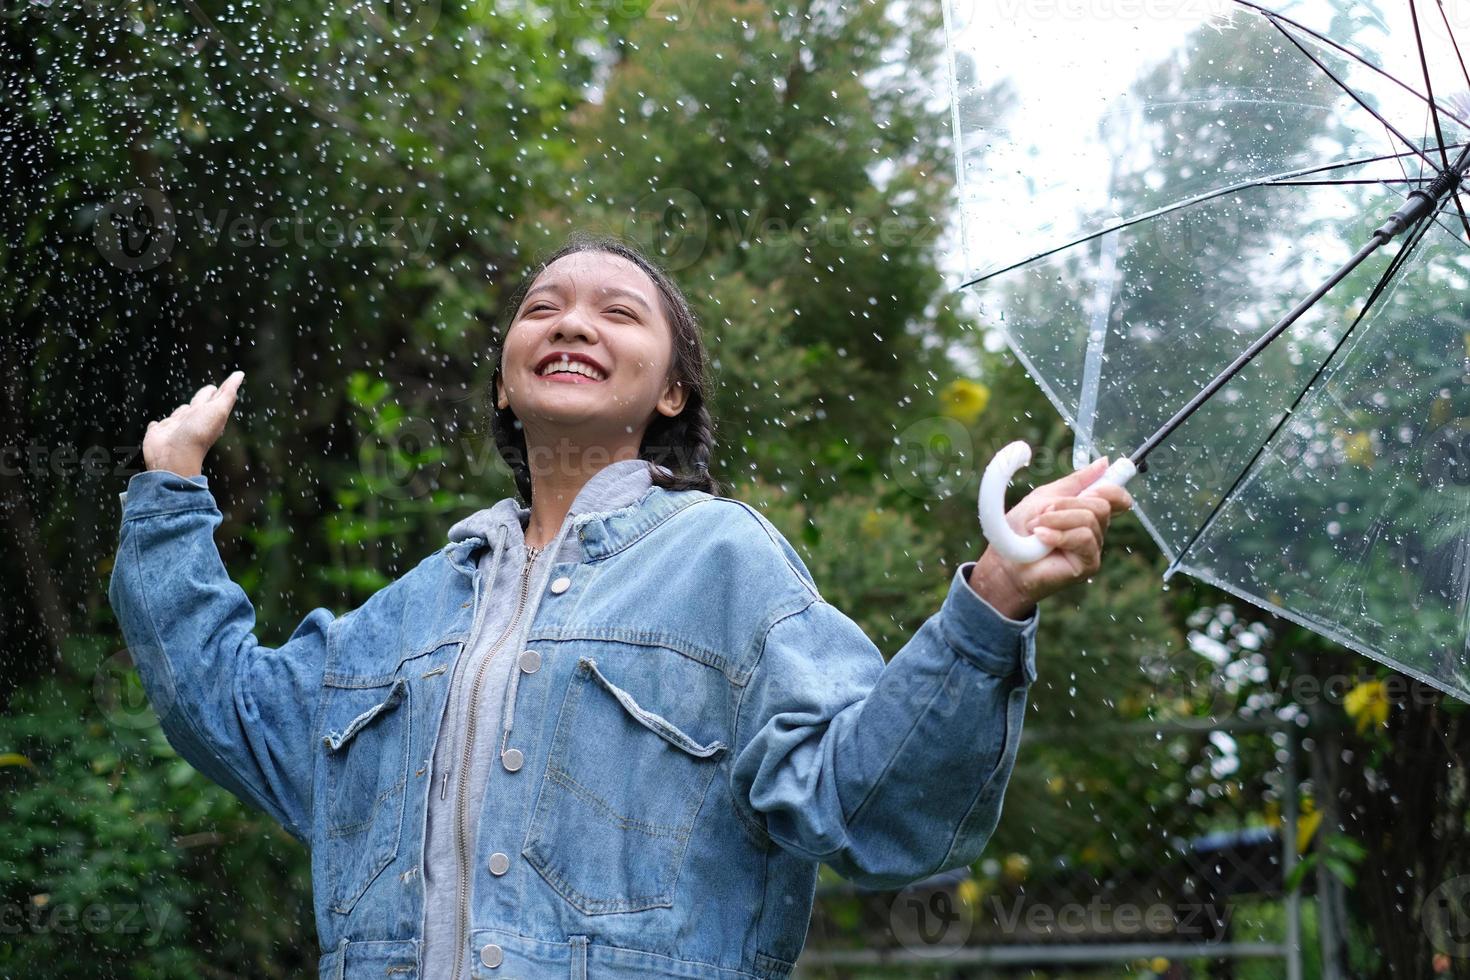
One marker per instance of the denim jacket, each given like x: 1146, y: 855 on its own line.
x: 702, y: 731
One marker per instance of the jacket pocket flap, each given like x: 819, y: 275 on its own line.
x: 655, y: 723
x: 335, y: 740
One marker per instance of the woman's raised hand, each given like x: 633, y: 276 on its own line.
x: 180, y: 442
x: 1071, y: 523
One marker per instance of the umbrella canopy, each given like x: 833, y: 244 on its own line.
x: 1147, y: 188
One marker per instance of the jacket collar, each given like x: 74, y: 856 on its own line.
x: 601, y: 532
x: 606, y: 533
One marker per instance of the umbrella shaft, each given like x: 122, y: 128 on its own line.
x: 1420, y: 204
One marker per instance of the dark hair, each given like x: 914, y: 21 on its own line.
x: 683, y: 443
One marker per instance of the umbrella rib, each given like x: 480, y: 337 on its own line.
x: 1464, y: 219
x: 1385, y: 181
x: 1383, y: 281
x: 1453, y: 233
x: 1429, y: 86
x: 1201, y: 199
x: 1344, y: 86
x: 1274, y: 16
x: 1429, y: 90
x: 1456, y: 44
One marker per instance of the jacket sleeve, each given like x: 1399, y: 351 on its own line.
x: 239, y: 712
x: 887, y: 773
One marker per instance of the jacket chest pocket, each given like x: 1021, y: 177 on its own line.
x: 618, y: 802
x: 365, y: 774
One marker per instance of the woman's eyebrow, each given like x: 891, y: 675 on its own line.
x: 604, y: 291
x: 626, y: 294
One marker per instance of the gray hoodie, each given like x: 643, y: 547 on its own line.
x: 493, y: 663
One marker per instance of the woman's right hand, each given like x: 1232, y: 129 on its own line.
x: 179, y: 443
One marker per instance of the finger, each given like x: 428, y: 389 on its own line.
x: 1087, y: 501
x: 1118, y: 498
x: 1075, y: 482
x: 1092, y: 504
x: 231, y: 385
x: 202, y: 395
x: 1079, y: 541
x: 1066, y: 520
x: 1078, y: 548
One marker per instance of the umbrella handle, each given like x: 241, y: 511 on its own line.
x: 1025, y: 548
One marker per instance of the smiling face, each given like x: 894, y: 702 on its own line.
x: 588, y: 354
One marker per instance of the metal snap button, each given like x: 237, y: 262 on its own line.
x: 491, y: 955
x: 512, y: 759
x: 561, y: 585
x: 530, y: 661
x: 499, y: 863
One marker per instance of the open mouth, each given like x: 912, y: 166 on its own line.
x: 575, y: 372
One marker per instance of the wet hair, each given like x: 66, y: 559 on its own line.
x: 683, y: 443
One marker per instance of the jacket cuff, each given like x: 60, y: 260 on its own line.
x: 977, y: 631
x: 163, y: 492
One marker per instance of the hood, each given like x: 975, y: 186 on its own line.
x: 615, y: 485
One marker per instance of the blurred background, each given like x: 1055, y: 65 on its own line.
x: 337, y: 196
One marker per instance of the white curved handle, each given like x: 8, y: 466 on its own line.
x: 1025, y: 548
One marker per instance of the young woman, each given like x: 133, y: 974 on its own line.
x: 610, y: 733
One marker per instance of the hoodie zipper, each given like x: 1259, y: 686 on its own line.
x: 461, y: 803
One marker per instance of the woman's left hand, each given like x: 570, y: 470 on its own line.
x: 1073, y: 525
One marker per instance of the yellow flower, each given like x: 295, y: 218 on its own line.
x: 1367, y: 704
x: 1158, y: 964
x: 1307, y: 821
x: 1057, y: 784
x: 964, y: 400
x: 969, y: 891
x: 1357, y: 447
x: 1015, y: 867
x: 1306, y: 826
x: 872, y: 524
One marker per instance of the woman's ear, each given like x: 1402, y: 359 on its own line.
x: 502, y: 401
x: 674, y: 397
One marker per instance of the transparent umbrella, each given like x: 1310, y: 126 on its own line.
x: 1229, y: 243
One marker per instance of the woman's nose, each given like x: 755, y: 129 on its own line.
x: 574, y: 323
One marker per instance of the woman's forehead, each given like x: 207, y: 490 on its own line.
x: 582, y: 269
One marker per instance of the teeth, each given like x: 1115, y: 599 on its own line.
x: 572, y: 367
